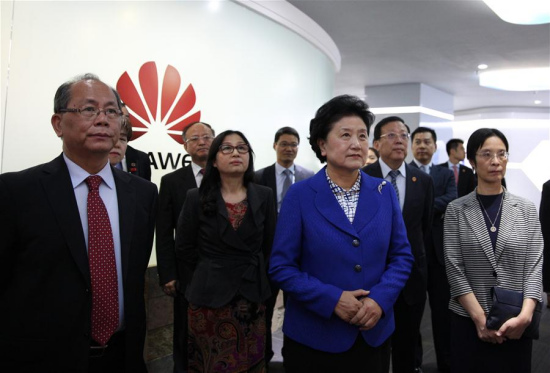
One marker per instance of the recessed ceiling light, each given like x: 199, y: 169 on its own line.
x: 537, y: 79
x: 521, y: 12
x: 214, y: 5
x: 538, y: 102
x: 482, y: 66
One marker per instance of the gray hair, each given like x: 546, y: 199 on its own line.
x: 63, y: 93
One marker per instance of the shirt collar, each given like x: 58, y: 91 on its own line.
x: 196, y: 168
x: 280, y: 169
x: 356, y: 187
x: 429, y: 165
x: 79, y: 175
x: 386, y: 169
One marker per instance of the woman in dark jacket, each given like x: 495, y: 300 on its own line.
x: 224, y: 238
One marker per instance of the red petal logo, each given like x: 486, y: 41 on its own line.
x: 142, y: 101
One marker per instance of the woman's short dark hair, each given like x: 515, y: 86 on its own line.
x: 211, y: 181
x: 330, y: 113
x: 478, y: 138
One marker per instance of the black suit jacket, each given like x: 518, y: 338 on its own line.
x: 173, y: 190
x: 266, y: 176
x: 218, y: 262
x: 45, y: 289
x: 467, y: 181
x: 417, y: 215
x: 138, y: 163
x: 544, y: 214
x: 444, y: 192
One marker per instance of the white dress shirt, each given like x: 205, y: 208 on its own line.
x: 108, y: 193
x: 401, y: 180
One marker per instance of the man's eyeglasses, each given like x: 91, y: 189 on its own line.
x: 229, y: 149
x: 488, y: 156
x: 91, y: 112
x: 292, y: 145
x: 205, y: 138
x: 392, y: 136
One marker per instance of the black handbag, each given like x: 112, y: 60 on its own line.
x: 507, y: 304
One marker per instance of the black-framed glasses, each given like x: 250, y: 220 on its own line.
x: 91, y: 112
x: 392, y: 136
x: 487, y: 156
x: 205, y: 138
x: 229, y: 149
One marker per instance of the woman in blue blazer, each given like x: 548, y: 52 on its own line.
x: 340, y: 252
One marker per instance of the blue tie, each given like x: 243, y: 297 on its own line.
x: 119, y: 165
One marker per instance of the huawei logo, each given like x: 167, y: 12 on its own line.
x: 148, y: 108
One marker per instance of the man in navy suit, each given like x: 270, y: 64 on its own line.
x: 414, y: 190
x: 424, y: 145
x: 51, y: 290
x: 279, y: 176
x: 197, y: 138
x: 464, y: 176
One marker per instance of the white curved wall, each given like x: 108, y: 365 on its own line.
x: 248, y: 72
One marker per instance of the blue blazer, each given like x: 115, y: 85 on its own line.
x: 317, y: 254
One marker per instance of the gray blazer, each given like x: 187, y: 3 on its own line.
x: 471, y: 264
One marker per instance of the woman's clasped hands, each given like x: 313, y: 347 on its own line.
x: 356, y: 308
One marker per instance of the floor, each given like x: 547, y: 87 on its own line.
x: 541, y: 347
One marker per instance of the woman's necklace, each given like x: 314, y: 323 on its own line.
x: 493, y: 228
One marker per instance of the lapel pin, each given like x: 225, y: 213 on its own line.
x: 414, y: 179
x: 380, y: 186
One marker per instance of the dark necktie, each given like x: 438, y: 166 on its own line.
x: 101, y: 258
x: 286, y: 183
x: 455, y: 169
x: 393, y: 175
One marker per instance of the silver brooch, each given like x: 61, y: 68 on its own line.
x: 380, y: 186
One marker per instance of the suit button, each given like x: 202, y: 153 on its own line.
x: 357, y: 268
x: 355, y: 243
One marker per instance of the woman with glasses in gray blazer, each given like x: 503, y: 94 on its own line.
x: 491, y: 238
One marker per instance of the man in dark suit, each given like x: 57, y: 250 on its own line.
x: 197, y: 138
x: 279, y: 177
x: 287, y: 141
x: 414, y: 190
x: 464, y: 176
x: 544, y: 214
x: 76, y: 239
x: 424, y: 145
x: 126, y: 158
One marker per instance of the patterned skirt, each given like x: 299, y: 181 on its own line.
x: 229, y: 339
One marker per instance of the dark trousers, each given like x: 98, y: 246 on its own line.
x: 470, y: 354
x: 404, y: 340
x: 111, y: 359
x: 439, y: 294
x: 269, y: 307
x: 360, y: 358
x: 180, y: 334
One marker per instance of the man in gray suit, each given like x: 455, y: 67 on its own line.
x: 279, y: 177
x: 424, y: 145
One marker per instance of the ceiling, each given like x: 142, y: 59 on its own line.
x: 436, y: 42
